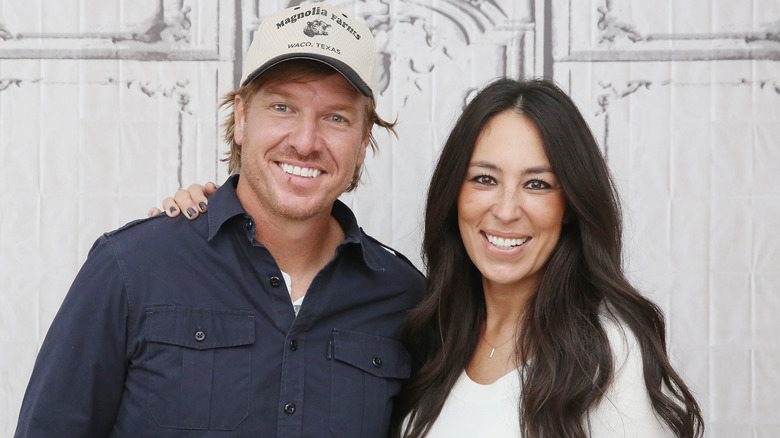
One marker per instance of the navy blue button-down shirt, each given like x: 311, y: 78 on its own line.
x: 177, y: 328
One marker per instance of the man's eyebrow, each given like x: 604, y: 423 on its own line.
x: 271, y: 89
x: 342, y: 107
x: 334, y: 106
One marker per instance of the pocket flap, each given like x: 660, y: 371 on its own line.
x: 198, y: 328
x: 377, y: 355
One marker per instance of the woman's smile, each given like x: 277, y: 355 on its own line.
x: 510, y: 207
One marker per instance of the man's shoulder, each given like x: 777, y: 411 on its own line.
x: 158, y: 232
x: 389, y: 256
x: 157, y: 224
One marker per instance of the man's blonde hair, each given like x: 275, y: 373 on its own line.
x: 297, y: 70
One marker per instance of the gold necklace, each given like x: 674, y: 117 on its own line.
x: 494, y: 346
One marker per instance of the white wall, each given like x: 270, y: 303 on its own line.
x: 107, y: 107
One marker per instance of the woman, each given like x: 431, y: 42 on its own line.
x: 529, y: 326
x: 523, y: 249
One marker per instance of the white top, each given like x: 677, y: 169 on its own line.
x: 474, y: 410
x: 288, y: 282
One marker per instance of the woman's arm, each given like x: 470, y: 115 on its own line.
x: 192, y: 201
x: 625, y: 410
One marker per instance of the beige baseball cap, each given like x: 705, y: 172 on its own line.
x: 317, y: 31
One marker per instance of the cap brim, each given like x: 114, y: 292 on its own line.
x: 337, y: 65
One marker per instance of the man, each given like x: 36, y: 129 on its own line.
x: 177, y: 328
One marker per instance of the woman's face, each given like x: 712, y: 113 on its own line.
x: 510, y: 207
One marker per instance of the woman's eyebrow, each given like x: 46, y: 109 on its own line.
x: 535, y: 170
x: 485, y: 165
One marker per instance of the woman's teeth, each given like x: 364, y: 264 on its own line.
x: 505, y: 243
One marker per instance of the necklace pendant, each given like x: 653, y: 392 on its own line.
x: 492, y: 351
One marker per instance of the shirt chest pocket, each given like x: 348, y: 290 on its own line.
x: 198, y: 366
x: 367, y: 372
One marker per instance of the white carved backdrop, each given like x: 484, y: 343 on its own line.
x: 107, y: 107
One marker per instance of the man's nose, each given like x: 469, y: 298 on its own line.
x: 305, y: 137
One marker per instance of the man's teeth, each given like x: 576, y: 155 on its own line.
x: 305, y: 172
x: 505, y: 243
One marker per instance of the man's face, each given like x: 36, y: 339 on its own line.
x: 300, y: 145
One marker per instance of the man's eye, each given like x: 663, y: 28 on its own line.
x: 337, y: 118
x: 280, y: 107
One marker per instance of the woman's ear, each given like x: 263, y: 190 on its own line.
x: 568, y: 216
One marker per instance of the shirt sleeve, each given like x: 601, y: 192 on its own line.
x: 78, y: 378
x: 626, y: 409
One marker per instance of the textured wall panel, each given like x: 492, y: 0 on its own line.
x: 107, y: 107
x: 684, y: 99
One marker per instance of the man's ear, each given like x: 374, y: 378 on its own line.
x: 238, y: 119
x: 363, y: 148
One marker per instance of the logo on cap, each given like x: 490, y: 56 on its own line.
x: 316, y: 27
x: 332, y: 37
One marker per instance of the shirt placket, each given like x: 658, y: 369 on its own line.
x: 291, y: 394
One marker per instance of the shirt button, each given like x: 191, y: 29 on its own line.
x: 289, y: 408
x: 293, y: 345
x: 276, y: 281
x: 200, y: 335
x: 377, y: 361
x: 248, y: 224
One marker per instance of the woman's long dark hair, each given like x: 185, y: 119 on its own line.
x: 561, y: 329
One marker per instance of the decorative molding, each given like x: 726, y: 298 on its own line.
x: 761, y: 44
x: 613, y: 93
x: 165, y: 35
x: 611, y: 28
x: 164, y: 25
x: 7, y: 82
x: 759, y: 54
x: 176, y: 92
x: 5, y: 34
x: 472, y: 21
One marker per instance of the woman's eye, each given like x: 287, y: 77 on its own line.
x: 484, y: 179
x: 537, y: 185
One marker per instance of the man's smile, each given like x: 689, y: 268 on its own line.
x: 306, y: 172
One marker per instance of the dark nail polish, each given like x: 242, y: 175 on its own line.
x: 174, y: 210
x: 203, y: 207
x: 190, y: 212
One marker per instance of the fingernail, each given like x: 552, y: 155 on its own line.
x: 203, y: 207
x: 174, y: 210
x: 190, y: 212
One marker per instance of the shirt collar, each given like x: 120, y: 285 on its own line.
x: 353, y: 234
x: 224, y: 205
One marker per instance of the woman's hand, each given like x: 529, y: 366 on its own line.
x: 192, y: 201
